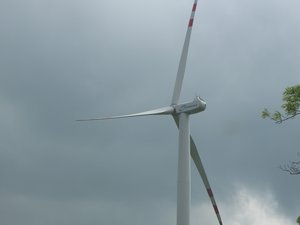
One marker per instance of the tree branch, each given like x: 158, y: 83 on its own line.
x: 285, y: 118
x: 292, y: 167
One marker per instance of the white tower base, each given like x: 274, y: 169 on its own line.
x: 184, y: 172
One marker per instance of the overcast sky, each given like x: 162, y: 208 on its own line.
x: 63, y: 60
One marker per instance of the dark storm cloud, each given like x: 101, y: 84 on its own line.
x: 65, y: 60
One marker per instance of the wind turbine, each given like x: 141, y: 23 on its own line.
x: 187, y: 147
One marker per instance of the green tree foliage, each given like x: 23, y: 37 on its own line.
x: 290, y: 106
x: 298, y: 220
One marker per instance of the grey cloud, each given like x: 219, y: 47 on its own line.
x: 66, y: 60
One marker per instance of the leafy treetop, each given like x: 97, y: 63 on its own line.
x: 291, y: 104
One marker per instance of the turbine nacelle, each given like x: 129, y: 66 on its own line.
x: 197, y: 105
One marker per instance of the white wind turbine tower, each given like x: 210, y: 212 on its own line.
x: 187, y: 147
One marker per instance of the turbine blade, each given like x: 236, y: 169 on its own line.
x: 183, y: 58
x: 199, y: 165
x: 161, y: 111
x: 196, y: 158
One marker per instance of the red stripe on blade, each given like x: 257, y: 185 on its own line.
x: 210, y: 193
x: 216, y: 209
x: 191, y: 22
x: 194, y: 7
